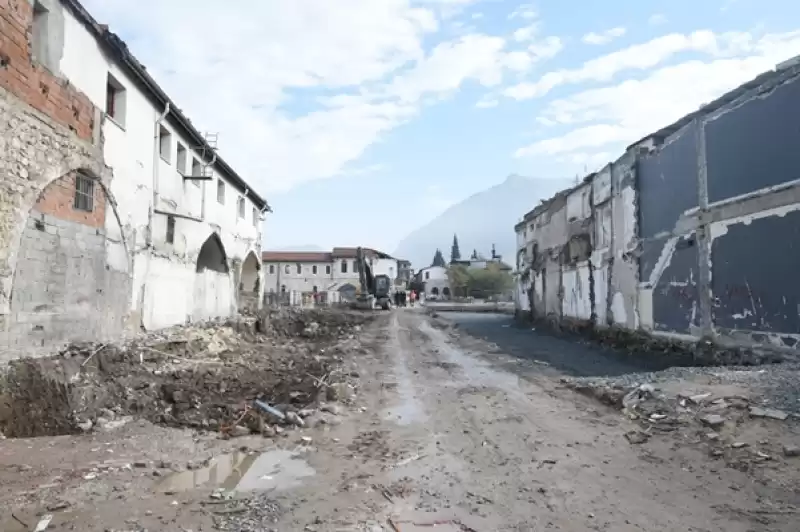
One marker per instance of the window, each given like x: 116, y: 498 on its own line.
x: 283, y: 288
x: 286, y: 269
x: 355, y: 266
x: 165, y: 144
x: 115, y: 100
x: 314, y: 269
x: 221, y: 191
x: 427, y: 275
x: 255, y: 217
x: 344, y: 266
x: 197, y: 171
x: 180, y: 161
x: 314, y: 289
x: 299, y: 269
x: 84, y: 193
x: 170, y: 229
x: 328, y: 269
x: 39, y: 32
x: 272, y: 269
x: 240, y: 206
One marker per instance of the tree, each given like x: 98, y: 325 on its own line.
x: 489, y: 281
x: 438, y: 259
x: 455, y: 253
x: 458, y: 277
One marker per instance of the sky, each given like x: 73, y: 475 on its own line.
x: 361, y: 120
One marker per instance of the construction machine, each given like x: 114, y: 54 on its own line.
x: 376, y: 290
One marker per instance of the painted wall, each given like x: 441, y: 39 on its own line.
x: 152, y: 196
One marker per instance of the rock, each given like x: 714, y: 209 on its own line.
x: 331, y: 409
x: 306, y: 412
x: 239, y: 431
x: 771, y: 413
x: 58, y: 506
x: 712, y: 420
x: 268, y: 432
x: 657, y: 417
x: 306, y: 440
x: 140, y: 465
x: 86, y: 426
x: 712, y: 436
x: 699, y: 398
x: 636, y: 437
x: 739, y: 444
x: 341, y: 391
x: 295, y: 419
x: 791, y: 451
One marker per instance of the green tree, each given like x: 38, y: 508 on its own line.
x: 489, y: 281
x: 455, y: 253
x: 438, y: 259
x: 458, y: 277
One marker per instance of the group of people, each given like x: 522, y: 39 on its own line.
x: 404, y: 299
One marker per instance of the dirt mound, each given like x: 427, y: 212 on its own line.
x: 202, y: 376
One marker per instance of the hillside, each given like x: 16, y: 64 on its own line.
x: 485, y: 218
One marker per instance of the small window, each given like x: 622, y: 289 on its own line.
x: 328, y: 269
x: 255, y: 217
x: 165, y: 144
x: 286, y: 269
x: 221, y: 191
x: 299, y: 269
x: 84, y: 193
x: 344, y: 266
x: 197, y: 171
x: 240, y: 205
x: 170, y: 229
x: 427, y: 275
x: 314, y: 269
x: 283, y: 288
x: 314, y: 289
x: 180, y: 161
x: 39, y: 32
x: 272, y: 269
x: 115, y: 100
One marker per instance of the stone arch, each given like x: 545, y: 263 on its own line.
x: 250, y: 282
x: 347, y: 292
x: 446, y: 292
x: 435, y: 290
x: 64, y: 286
x: 214, y: 289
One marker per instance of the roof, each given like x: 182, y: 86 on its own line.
x: 119, y: 50
x: 296, y: 256
x: 350, y: 253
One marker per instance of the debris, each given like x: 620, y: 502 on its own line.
x: 269, y: 410
x: 763, y: 456
x: 635, y: 437
x: 341, y: 391
x: 712, y: 436
x: 306, y: 439
x: 771, y: 413
x: 331, y: 408
x: 239, y: 431
x: 43, y: 523
x: 712, y: 420
x: 657, y: 417
x: 90, y: 476
x: 739, y: 444
x: 699, y: 398
x: 58, y: 506
x: 791, y: 451
x: 295, y: 419
x: 86, y: 426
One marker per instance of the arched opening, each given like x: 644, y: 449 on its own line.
x: 347, y: 292
x: 212, y: 256
x: 435, y: 290
x: 446, y: 292
x: 250, y: 282
x: 213, y: 287
x: 65, y: 288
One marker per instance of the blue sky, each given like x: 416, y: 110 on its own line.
x: 361, y: 120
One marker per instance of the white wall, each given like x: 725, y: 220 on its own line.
x: 305, y: 281
x: 165, y: 280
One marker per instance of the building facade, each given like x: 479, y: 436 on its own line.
x: 334, y: 271
x: 435, y: 281
x: 117, y: 213
x: 691, y: 233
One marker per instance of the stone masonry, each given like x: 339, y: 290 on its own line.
x: 54, y: 279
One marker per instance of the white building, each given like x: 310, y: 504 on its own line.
x: 436, y: 282
x: 311, y: 271
x: 184, y: 230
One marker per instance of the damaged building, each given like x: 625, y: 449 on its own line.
x: 116, y: 212
x: 690, y: 234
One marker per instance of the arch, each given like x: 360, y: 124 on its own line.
x: 212, y: 256
x: 446, y: 292
x: 347, y: 291
x: 435, y: 290
x: 250, y: 282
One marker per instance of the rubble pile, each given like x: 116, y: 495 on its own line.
x: 203, y: 377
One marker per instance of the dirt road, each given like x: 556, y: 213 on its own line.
x: 446, y: 430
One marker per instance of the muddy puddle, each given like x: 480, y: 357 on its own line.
x: 278, y: 469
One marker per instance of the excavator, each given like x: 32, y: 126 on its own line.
x: 376, y: 290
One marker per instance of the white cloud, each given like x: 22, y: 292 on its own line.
x: 624, y: 112
x: 476, y: 16
x: 299, y: 89
x: 525, y: 12
x: 636, y: 57
x: 603, y: 37
x: 487, y: 102
x: 657, y: 19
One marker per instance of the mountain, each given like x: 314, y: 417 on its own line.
x: 481, y: 220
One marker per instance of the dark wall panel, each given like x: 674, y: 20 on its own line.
x: 755, y: 145
x: 675, y: 297
x: 667, y: 183
x: 755, y: 271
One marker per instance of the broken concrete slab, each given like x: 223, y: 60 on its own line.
x: 771, y: 413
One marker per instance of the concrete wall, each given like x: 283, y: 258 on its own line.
x: 283, y: 276
x: 693, y: 231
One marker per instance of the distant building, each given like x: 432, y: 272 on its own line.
x: 313, y: 271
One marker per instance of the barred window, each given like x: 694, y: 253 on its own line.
x: 84, y: 193
x: 170, y: 229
